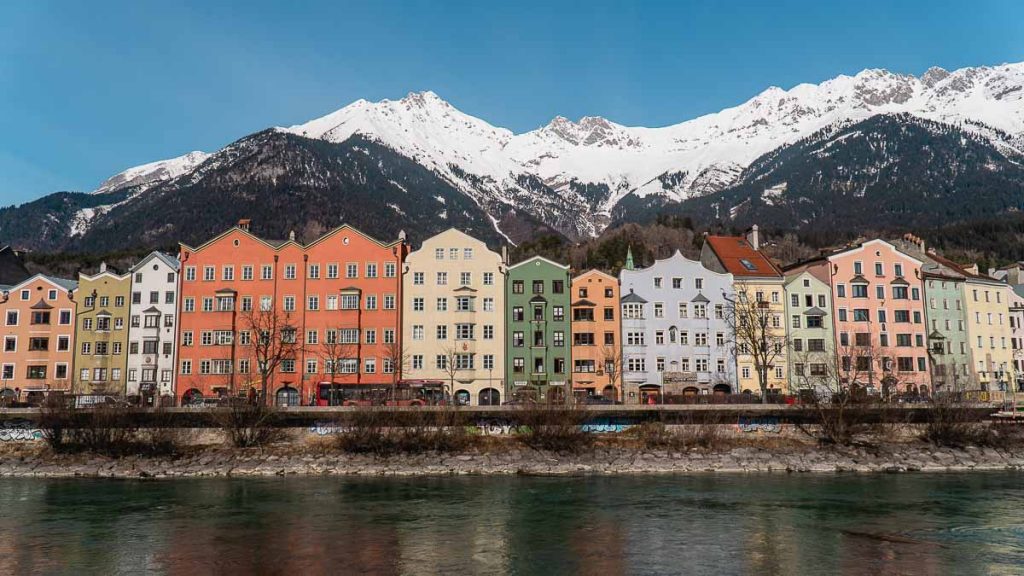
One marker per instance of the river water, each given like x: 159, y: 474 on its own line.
x: 706, y: 524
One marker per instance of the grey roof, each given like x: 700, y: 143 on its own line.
x: 166, y: 258
x: 815, y: 311
x: 632, y: 298
x: 62, y: 282
x: 700, y: 297
x: 1018, y: 289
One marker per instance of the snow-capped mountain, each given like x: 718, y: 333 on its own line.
x: 148, y: 175
x: 681, y: 161
x: 574, y: 177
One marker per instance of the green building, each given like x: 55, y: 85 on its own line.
x: 811, y: 340
x: 537, y: 323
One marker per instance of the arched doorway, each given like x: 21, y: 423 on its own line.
x: 287, y: 396
x: 691, y: 391
x: 7, y: 396
x: 556, y: 395
x: 462, y: 397
x: 489, y: 397
x: 609, y: 393
x: 650, y: 394
x: 721, y: 389
x: 191, y: 396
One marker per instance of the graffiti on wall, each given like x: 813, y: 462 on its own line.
x: 19, y: 431
x: 767, y: 424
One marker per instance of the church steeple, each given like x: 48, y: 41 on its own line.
x: 629, y: 258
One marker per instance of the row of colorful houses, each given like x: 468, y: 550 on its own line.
x: 361, y: 314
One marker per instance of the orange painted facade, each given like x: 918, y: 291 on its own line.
x: 37, y: 328
x: 343, y: 288
x: 596, y: 350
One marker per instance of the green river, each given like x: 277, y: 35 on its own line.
x: 913, y: 523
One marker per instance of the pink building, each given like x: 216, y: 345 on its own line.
x: 879, y: 320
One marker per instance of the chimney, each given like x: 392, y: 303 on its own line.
x: 504, y: 254
x: 103, y: 267
x: 291, y: 236
x: 244, y: 224
x: 754, y: 238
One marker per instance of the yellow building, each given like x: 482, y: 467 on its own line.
x: 756, y: 279
x: 987, y: 304
x: 453, y: 317
x: 101, y: 332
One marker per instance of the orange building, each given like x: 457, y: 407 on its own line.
x: 38, y: 327
x: 596, y: 350
x: 334, y: 300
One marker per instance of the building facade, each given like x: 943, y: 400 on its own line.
x: 811, y: 341
x: 675, y: 334
x: 153, y: 328
x: 537, y: 353
x: 331, y: 305
x: 987, y: 304
x: 101, y: 332
x: 1017, y: 333
x: 454, y: 317
x: 596, y: 348
x: 879, y: 316
x: 38, y: 317
x: 757, y: 280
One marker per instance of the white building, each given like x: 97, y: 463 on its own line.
x: 152, y: 342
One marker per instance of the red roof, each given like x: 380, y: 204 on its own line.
x: 740, y: 258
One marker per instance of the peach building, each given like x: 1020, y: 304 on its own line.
x: 880, y: 331
x: 596, y: 350
x: 335, y: 300
x: 38, y: 329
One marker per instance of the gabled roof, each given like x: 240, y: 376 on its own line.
x: 858, y: 279
x: 632, y: 298
x: 583, y: 302
x: 165, y: 258
x: 740, y: 258
x: 152, y: 310
x: 900, y: 282
x: 700, y: 297
x: 532, y: 258
x: 595, y: 272
x: 41, y: 305
x: 56, y: 282
x: 815, y: 311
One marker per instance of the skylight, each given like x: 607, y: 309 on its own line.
x: 748, y: 264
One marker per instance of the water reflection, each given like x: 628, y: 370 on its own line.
x: 756, y: 524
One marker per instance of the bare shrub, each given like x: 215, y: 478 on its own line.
x: 106, y: 429
x: 951, y: 424
x: 249, y: 424
x: 556, y: 428
x: 705, y: 435
x: 387, y: 432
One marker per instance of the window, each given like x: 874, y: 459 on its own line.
x: 289, y: 273
x: 518, y: 340
x: 389, y: 269
x: 464, y: 331
x: 389, y: 301
x: 371, y: 269
x: 442, y: 278
x: 313, y: 270
x: 488, y: 331
x: 247, y: 272
x: 190, y: 273
x: 488, y: 278
x: 517, y: 286
x: 442, y: 304
x: 860, y: 315
x: 349, y: 301
x: 351, y: 270
x: 558, y: 313
x: 417, y: 332
x: 465, y: 278
x: 227, y: 273
x: 438, y: 253
x: 898, y: 269
x: 208, y: 272
x: 538, y: 286
x: 371, y: 302
x: 632, y: 311
x: 442, y: 331
x: 841, y: 290
x: 417, y: 361
x: 464, y: 304
x: 186, y: 367
x: 488, y: 304
x: 899, y: 292
x: 518, y: 365
x: 558, y: 286
x: 417, y: 304
x: 636, y: 364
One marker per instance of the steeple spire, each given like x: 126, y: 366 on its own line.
x: 629, y: 257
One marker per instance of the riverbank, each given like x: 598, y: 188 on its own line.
x: 792, y: 457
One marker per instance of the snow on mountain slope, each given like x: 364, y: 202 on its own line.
x: 680, y: 161
x: 571, y: 175
x: 149, y: 175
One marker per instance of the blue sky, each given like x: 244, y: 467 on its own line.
x: 88, y: 89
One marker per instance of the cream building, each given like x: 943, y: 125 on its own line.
x: 987, y: 303
x: 453, y: 317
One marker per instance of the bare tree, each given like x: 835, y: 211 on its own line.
x: 273, y: 341
x: 756, y: 332
x: 398, y: 359
x: 612, y: 356
x: 834, y: 391
x: 333, y: 351
x: 449, y: 356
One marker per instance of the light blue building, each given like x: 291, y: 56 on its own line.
x: 675, y: 333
